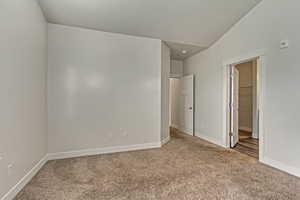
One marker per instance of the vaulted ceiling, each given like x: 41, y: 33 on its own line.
x: 194, y: 22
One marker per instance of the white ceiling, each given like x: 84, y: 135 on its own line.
x: 195, y: 22
x: 177, y: 48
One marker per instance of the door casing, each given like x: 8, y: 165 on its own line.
x: 261, y: 73
x: 234, y: 106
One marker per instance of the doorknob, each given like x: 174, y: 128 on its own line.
x: 191, y: 108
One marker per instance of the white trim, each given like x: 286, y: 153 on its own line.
x: 105, y: 150
x: 255, y: 102
x: 11, y: 194
x: 261, y: 88
x: 244, y: 58
x: 226, y: 116
x: 210, y: 139
x: 244, y: 128
x: 281, y: 166
x: 261, y: 70
x: 177, y: 76
x: 165, y: 141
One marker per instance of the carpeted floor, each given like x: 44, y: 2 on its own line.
x: 186, y: 168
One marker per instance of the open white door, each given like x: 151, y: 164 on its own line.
x: 234, y: 106
x: 187, y: 104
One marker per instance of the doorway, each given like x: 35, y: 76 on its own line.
x: 182, y: 104
x: 244, y: 112
x: 236, y: 133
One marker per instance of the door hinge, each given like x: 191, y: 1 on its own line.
x: 230, y: 134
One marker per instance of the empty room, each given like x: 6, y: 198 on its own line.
x: 149, y: 100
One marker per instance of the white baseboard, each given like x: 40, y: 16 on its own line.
x: 243, y: 128
x: 105, y: 150
x: 11, y: 194
x: 281, y: 166
x: 267, y: 161
x: 165, y: 141
x: 54, y: 156
x: 211, y: 139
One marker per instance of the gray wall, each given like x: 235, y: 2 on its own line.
x: 103, y: 89
x: 23, y: 129
x: 165, y: 90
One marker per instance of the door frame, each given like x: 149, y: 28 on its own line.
x: 261, y: 74
x: 232, y: 105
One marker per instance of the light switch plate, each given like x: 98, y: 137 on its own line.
x: 284, y: 44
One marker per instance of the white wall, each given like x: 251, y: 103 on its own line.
x: 263, y: 28
x: 23, y: 64
x: 165, y: 91
x: 176, y: 70
x: 104, y: 89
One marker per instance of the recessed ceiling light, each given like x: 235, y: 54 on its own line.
x: 184, y: 51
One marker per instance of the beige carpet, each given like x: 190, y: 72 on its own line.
x: 186, y: 168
